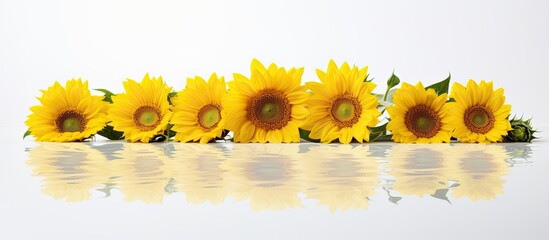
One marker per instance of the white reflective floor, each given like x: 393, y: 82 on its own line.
x: 118, y: 190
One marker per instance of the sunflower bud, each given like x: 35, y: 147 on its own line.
x: 522, y: 131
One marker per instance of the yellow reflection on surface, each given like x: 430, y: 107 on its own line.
x: 69, y: 170
x: 340, y: 176
x: 197, y: 172
x: 275, y: 176
x: 419, y: 169
x: 479, y: 169
x: 266, y: 174
x: 142, y: 172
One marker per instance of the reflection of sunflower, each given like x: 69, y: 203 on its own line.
x: 67, y: 114
x: 418, y: 169
x: 419, y: 116
x: 267, y: 174
x: 479, y: 115
x: 342, y: 106
x: 341, y: 177
x: 142, y: 173
x: 197, y: 110
x: 479, y: 170
x: 269, y: 107
x: 143, y: 111
x: 69, y: 170
x: 197, y: 172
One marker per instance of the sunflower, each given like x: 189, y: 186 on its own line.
x: 268, y: 107
x: 197, y: 111
x: 67, y: 114
x: 479, y: 113
x: 342, y: 105
x: 143, y: 111
x: 419, y: 116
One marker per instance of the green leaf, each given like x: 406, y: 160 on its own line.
x: 223, y: 136
x: 170, y: 96
x: 380, y: 102
x: 392, y: 82
x: 304, y: 134
x: 379, y: 96
x: 27, y: 133
x: 110, y: 133
x: 377, y: 132
x: 158, y: 138
x: 108, y: 94
x: 442, y: 86
x: 169, y: 132
x: 368, y: 80
x: 383, y: 104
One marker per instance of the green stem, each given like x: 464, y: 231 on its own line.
x: 385, y: 99
x: 386, y: 92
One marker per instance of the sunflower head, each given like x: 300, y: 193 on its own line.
x: 197, y: 110
x: 522, y: 131
x: 268, y: 107
x: 479, y: 113
x: 67, y: 113
x: 341, y: 105
x: 419, y: 116
x: 142, y: 112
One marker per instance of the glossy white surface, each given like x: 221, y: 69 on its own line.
x: 118, y: 190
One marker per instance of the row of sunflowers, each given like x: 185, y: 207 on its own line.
x: 273, y: 105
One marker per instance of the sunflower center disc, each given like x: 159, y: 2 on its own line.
x: 70, y: 121
x: 345, y: 111
x: 147, y: 117
x: 478, y: 119
x: 269, y: 109
x: 422, y: 121
x: 209, y: 116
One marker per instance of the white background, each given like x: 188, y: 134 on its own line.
x: 108, y: 41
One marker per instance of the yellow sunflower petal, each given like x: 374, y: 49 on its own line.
x: 67, y: 113
x: 341, y: 106
x: 198, y: 113
x: 419, y: 115
x: 268, y: 107
x: 479, y: 113
x: 142, y: 111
